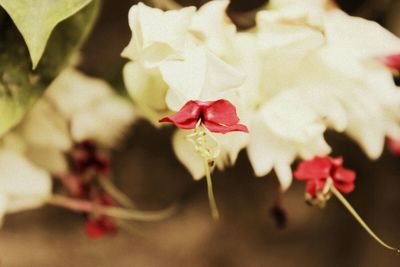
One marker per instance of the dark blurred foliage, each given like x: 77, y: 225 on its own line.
x: 247, y: 235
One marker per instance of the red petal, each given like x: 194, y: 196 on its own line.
x: 221, y: 112
x: 313, y: 186
x: 392, y: 61
x: 344, y: 175
x: 337, y: 162
x: 217, y: 128
x: 99, y: 227
x: 317, y: 168
x: 94, y: 230
x: 345, y: 188
x: 394, y: 146
x: 187, y: 117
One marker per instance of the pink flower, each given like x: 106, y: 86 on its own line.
x: 316, y: 172
x: 217, y: 116
x: 392, y: 61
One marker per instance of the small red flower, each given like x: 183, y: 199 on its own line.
x: 392, y: 61
x: 87, y: 157
x: 217, y: 116
x: 100, y: 226
x: 96, y: 228
x: 317, y: 171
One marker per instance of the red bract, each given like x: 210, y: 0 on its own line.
x: 217, y: 116
x: 392, y: 61
x: 316, y: 172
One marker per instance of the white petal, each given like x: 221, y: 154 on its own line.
x: 157, y: 34
x: 214, y: 27
x: 289, y: 118
x: 45, y: 127
x: 185, y: 152
x: 147, y: 89
x: 361, y: 37
x: 185, y: 77
x: 265, y: 150
x: 104, y: 122
x: 25, y: 185
x: 74, y: 91
x: 201, y: 76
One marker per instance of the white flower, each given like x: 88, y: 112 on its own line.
x: 90, y: 107
x: 22, y: 185
x: 164, y: 45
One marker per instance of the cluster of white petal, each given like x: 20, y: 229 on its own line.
x: 306, y: 67
x: 75, y: 108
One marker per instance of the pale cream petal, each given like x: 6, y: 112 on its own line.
x: 185, y: 77
x: 186, y: 154
x: 45, y: 127
x: 148, y: 91
x: 290, y: 118
x: 266, y: 150
x: 25, y: 185
x: 360, y: 37
x: 104, y: 122
x: 73, y: 91
x: 214, y: 28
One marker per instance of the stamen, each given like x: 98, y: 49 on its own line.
x: 199, y: 141
x: 348, y: 206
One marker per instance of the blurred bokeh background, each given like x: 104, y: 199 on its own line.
x: 248, y: 234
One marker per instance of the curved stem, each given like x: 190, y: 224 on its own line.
x: 348, y: 206
x: 116, y: 194
x: 210, y: 192
x: 115, y: 212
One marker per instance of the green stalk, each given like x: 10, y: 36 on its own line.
x: 348, y: 206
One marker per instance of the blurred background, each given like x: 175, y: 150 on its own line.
x: 259, y: 227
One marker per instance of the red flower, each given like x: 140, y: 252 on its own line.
x: 87, y: 157
x: 217, y: 116
x: 317, y: 171
x: 96, y: 228
x: 392, y: 61
x: 100, y: 226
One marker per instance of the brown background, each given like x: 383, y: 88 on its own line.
x: 247, y: 235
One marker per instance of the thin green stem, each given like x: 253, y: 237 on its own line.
x: 348, y: 206
x: 210, y: 191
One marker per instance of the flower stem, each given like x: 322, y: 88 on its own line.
x: 210, y: 191
x: 85, y: 206
x: 120, y: 197
x: 348, y: 206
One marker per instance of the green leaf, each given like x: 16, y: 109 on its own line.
x: 20, y: 86
x: 36, y: 19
